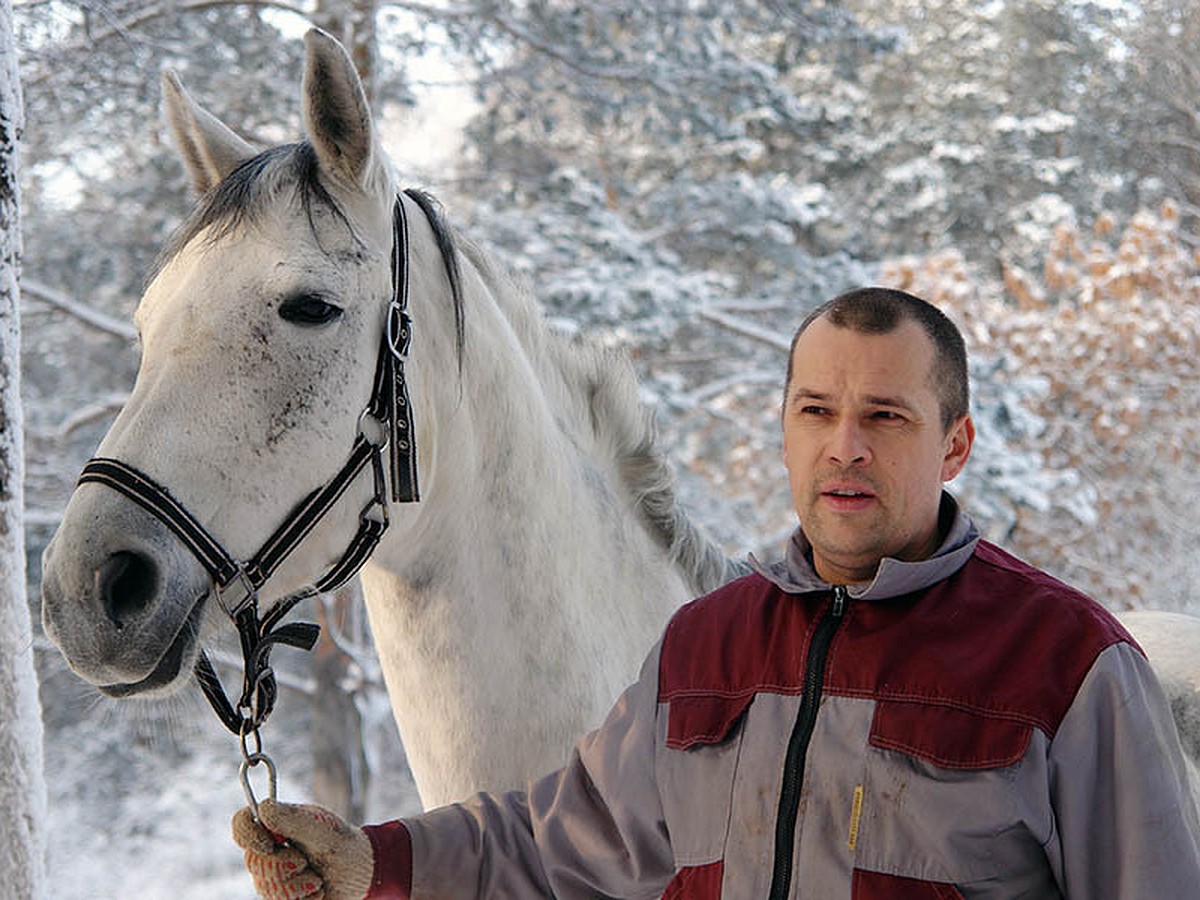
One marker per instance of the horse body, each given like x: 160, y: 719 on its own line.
x: 510, y: 605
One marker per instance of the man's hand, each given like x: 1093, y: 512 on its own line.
x: 323, y: 858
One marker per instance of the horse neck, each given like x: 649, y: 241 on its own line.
x: 518, y: 598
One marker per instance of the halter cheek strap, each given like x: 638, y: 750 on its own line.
x: 236, y: 584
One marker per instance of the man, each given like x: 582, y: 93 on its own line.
x: 897, y: 710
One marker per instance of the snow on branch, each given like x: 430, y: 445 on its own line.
x: 141, y: 15
x: 83, y: 312
x: 299, y: 684
x: 747, y: 329
x: 102, y: 409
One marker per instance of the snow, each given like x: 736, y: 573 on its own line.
x: 141, y: 793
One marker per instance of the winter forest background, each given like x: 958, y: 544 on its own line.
x: 684, y: 179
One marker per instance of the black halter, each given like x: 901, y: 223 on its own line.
x: 237, y: 583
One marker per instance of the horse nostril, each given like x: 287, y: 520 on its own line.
x: 126, y: 584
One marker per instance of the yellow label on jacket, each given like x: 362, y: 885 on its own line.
x: 855, y: 815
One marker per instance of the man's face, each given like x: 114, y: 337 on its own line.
x: 865, y: 449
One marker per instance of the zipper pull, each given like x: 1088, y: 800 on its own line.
x: 840, y: 597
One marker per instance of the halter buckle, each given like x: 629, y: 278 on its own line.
x: 251, y: 592
x: 399, y: 331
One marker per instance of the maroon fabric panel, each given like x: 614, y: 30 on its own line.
x: 948, y: 737
x: 696, y: 883
x: 741, y: 639
x: 877, y: 886
x: 703, y: 720
x: 392, y: 846
x: 998, y: 638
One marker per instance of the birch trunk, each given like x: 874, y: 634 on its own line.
x: 22, y: 785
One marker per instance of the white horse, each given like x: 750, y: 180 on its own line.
x: 513, y: 603
x: 1172, y: 644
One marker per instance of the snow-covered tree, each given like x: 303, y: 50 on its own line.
x: 22, y: 789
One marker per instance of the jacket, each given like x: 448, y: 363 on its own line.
x: 965, y: 726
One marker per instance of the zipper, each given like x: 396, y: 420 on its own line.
x: 797, y: 750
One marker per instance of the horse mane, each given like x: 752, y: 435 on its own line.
x: 614, y: 406
x: 601, y: 385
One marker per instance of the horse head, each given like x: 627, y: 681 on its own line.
x: 259, y: 330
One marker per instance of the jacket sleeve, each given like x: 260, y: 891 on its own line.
x: 1126, y: 822
x: 594, y: 828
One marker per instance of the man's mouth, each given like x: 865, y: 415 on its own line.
x: 847, y: 498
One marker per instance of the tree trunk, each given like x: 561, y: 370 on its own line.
x: 22, y: 786
x: 341, y: 774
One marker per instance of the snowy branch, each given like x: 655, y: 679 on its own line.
x: 81, y: 311
x: 95, y: 412
x: 305, y: 686
x: 746, y: 329
x: 705, y: 392
x: 149, y: 13
x: 362, y: 657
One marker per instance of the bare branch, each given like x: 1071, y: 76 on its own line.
x: 37, y: 291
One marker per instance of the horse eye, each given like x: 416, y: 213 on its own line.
x: 308, y: 309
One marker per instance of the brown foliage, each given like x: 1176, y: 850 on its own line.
x: 1112, y: 323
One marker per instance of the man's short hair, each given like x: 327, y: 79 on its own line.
x: 876, y: 310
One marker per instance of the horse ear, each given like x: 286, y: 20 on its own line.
x: 336, y: 113
x: 210, y: 149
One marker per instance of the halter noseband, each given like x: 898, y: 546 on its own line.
x: 389, y: 406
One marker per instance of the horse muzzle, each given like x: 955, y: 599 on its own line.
x: 121, y: 599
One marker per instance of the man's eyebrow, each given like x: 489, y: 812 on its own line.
x: 898, y: 402
x: 804, y: 393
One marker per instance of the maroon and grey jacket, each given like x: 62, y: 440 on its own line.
x: 964, y: 726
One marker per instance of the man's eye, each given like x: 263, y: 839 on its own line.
x: 308, y: 309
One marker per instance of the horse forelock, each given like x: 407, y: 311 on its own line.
x: 245, y: 195
x: 249, y: 191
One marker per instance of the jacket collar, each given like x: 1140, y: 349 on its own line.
x: 795, y: 574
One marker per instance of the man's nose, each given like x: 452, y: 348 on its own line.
x: 848, y: 444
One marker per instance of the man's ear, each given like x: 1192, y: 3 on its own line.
x: 959, y: 441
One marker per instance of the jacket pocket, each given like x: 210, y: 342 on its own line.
x: 703, y: 720
x: 696, y: 773
x: 878, y: 886
x: 949, y: 737
x: 941, y: 799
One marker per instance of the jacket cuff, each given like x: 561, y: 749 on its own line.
x: 392, y: 847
